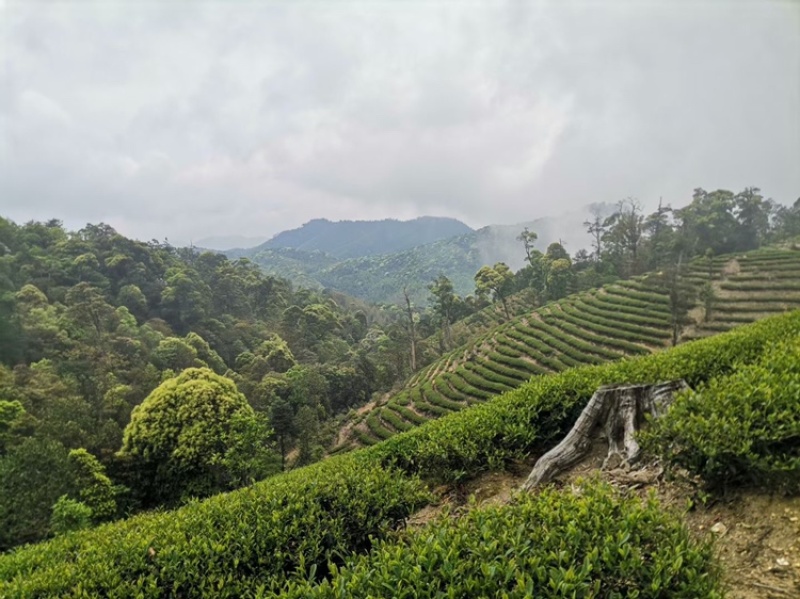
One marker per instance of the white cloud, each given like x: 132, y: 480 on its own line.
x: 188, y: 119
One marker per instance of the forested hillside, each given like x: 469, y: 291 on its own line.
x: 93, y: 323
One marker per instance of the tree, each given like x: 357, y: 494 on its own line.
x: 623, y: 237
x: 498, y: 280
x: 33, y: 475
x: 412, y: 330
x: 596, y: 228
x: 182, y: 434
x: 93, y: 487
x: 444, y: 302
x: 528, y: 239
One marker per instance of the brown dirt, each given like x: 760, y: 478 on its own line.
x: 732, y: 267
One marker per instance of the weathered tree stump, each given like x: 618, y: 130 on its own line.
x: 615, y: 411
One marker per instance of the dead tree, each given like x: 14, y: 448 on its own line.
x: 616, y: 412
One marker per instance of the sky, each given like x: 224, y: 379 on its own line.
x: 185, y: 120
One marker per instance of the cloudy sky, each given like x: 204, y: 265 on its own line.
x: 187, y: 119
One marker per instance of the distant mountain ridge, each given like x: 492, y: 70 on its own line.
x: 355, y: 239
x: 307, y: 255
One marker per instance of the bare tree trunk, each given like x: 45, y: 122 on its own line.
x: 412, y: 331
x: 616, y: 412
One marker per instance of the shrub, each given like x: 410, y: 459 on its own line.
x: 595, y: 543
x: 69, y: 515
x: 743, y: 428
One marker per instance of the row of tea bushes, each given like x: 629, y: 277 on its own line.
x: 528, y: 419
x: 594, y: 543
x: 229, y: 545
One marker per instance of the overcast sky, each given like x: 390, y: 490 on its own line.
x: 184, y: 120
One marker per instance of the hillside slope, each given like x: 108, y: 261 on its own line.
x: 626, y: 318
x: 325, y: 530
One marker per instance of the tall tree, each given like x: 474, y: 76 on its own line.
x: 444, y: 303
x: 497, y: 280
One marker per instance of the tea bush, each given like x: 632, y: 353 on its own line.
x: 741, y: 429
x: 589, y: 544
x: 225, y: 546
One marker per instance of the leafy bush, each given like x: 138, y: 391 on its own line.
x: 589, y: 544
x: 739, y: 429
x: 186, y: 436
x: 226, y: 546
x: 69, y: 515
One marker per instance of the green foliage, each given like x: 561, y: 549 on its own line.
x: 528, y: 419
x: 300, y: 525
x: 33, y: 475
x: 739, y: 429
x: 592, y: 543
x: 95, y: 489
x: 230, y: 545
x: 69, y: 515
x: 181, y: 437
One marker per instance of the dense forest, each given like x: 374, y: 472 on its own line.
x: 93, y: 323
x: 103, y: 339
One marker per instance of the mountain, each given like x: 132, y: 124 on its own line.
x: 355, y: 239
x: 381, y: 278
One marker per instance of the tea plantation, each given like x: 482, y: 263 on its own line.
x: 627, y: 318
x: 334, y: 529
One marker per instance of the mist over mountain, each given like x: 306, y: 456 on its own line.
x: 226, y: 242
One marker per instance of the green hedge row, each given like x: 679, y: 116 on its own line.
x: 397, y: 422
x: 229, y: 545
x: 365, y: 437
x: 642, y: 291
x: 578, y: 319
x: 762, y: 286
x: 376, y: 427
x: 407, y: 413
x: 502, y: 356
x: 620, y: 303
x: 433, y: 396
x: 512, y: 371
x: 459, y: 386
x: 458, y: 381
x: 768, y: 275
x: 642, y: 331
x: 477, y: 376
x: 587, y: 336
x: 735, y: 305
x: 618, y: 315
x: 499, y: 374
x: 642, y: 298
x: 739, y: 429
x: 596, y: 543
x: 429, y: 408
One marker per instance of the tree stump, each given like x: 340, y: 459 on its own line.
x: 614, y: 411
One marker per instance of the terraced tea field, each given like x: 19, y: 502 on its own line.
x: 623, y: 319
